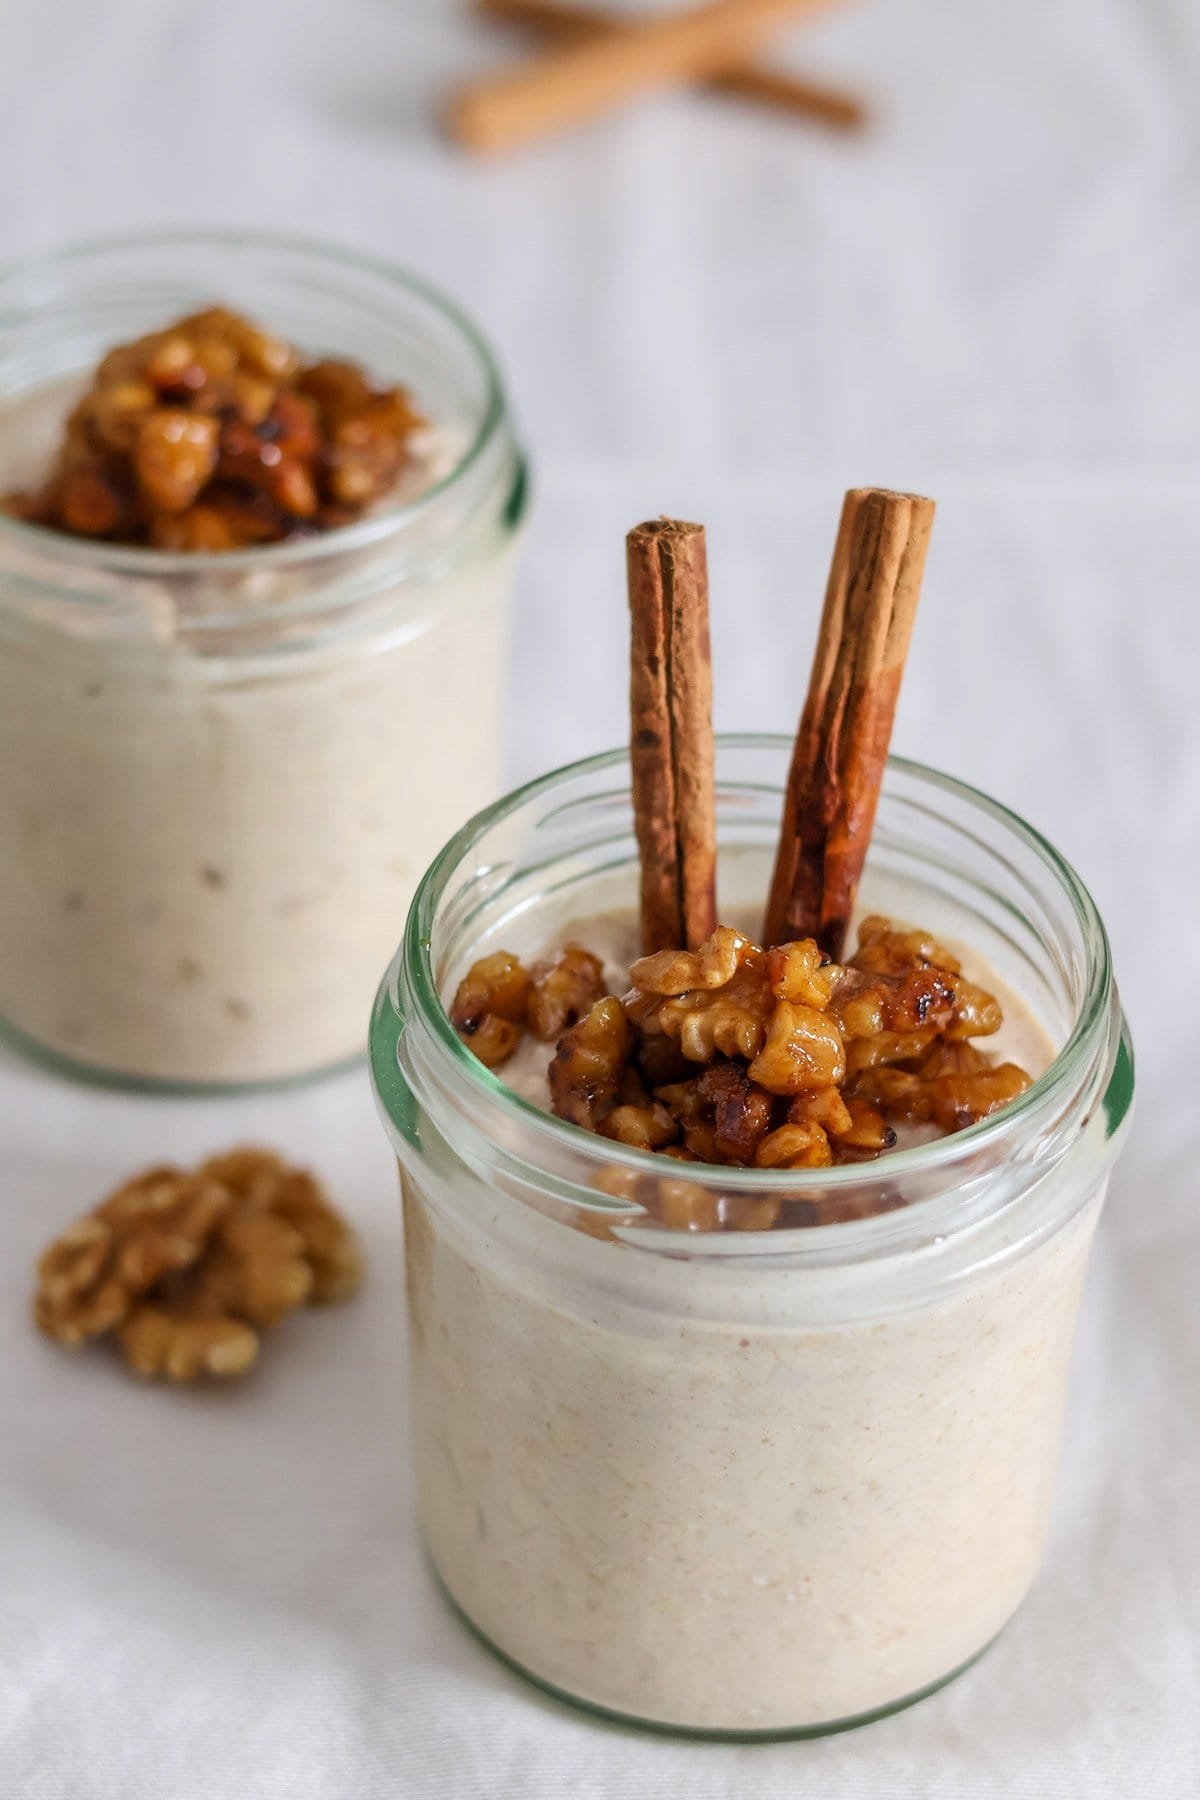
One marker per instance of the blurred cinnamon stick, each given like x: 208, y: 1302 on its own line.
x: 846, y: 727
x: 671, y: 737
x: 572, y: 83
x: 562, y: 21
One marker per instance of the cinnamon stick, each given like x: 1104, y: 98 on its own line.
x: 578, y: 81
x: 671, y: 740
x: 842, y: 743
x: 562, y: 20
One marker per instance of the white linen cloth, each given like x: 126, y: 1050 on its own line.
x: 992, y: 298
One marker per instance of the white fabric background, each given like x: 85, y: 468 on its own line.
x: 992, y: 298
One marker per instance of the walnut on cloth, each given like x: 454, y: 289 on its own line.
x: 189, y: 1268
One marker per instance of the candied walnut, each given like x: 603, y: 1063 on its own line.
x: 489, y: 1006
x: 174, y: 454
x: 885, y: 951
x: 723, y: 1114
x: 563, y: 991
x: 749, y: 1212
x: 215, y: 418
x: 824, y: 1107
x: 365, y: 455
x: 799, y: 1146
x: 925, y: 997
x: 249, y: 518
x: 726, y: 1021
x: 156, y: 1342
x: 803, y: 1049
x: 868, y: 1130
x: 798, y: 972
x: 616, y: 1182
x: 589, y: 1065
x: 740, y: 1111
x: 90, y: 503
x: 170, y: 361
x: 659, y: 1060
x: 263, y: 1181
x: 897, y: 1093
x: 960, y: 1100
x: 713, y: 965
x: 685, y: 1205
x: 336, y: 388
x: 493, y: 1040
x: 854, y: 1128
x: 256, y: 349
x: 151, y: 1226
x: 976, y: 1013
x: 683, y: 1103
x: 889, y: 1047
x: 249, y: 398
x: 647, y: 1127
x: 958, y: 1058
x: 859, y: 1006
x: 260, y: 455
x: 196, y: 528
x: 109, y: 417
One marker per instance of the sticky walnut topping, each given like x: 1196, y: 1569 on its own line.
x: 214, y: 435
x: 498, y: 1000
x: 751, y: 1058
x: 188, y: 1269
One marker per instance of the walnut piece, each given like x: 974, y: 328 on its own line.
x: 589, y: 1064
x: 152, y: 1226
x: 190, y: 1268
x: 488, y: 1009
x: 331, y: 1249
x: 563, y: 991
x: 158, y: 1342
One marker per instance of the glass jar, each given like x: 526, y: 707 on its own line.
x: 221, y: 775
x: 743, y: 1483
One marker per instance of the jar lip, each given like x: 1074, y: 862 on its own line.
x: 136, y: 559
x: 1052, y: 1087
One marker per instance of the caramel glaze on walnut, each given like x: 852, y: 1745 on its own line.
x: 751, y: 1058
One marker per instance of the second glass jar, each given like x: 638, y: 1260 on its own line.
x: 222, y: 775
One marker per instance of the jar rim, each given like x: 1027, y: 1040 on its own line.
x: 143, y: 560
x: 1050, y: 1091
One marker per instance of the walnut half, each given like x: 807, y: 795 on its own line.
x: 189, y: 1268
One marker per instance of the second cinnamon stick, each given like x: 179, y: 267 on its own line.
x: 571, y: 84
x: 671, y: 737
x: 846, y: 727
x: 567, y: 21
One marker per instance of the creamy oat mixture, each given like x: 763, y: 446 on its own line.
x: 209, y: 838
x: 718, y: 1493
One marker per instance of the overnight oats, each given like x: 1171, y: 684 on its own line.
x: 745, y: 1245
x: 260, y: 508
